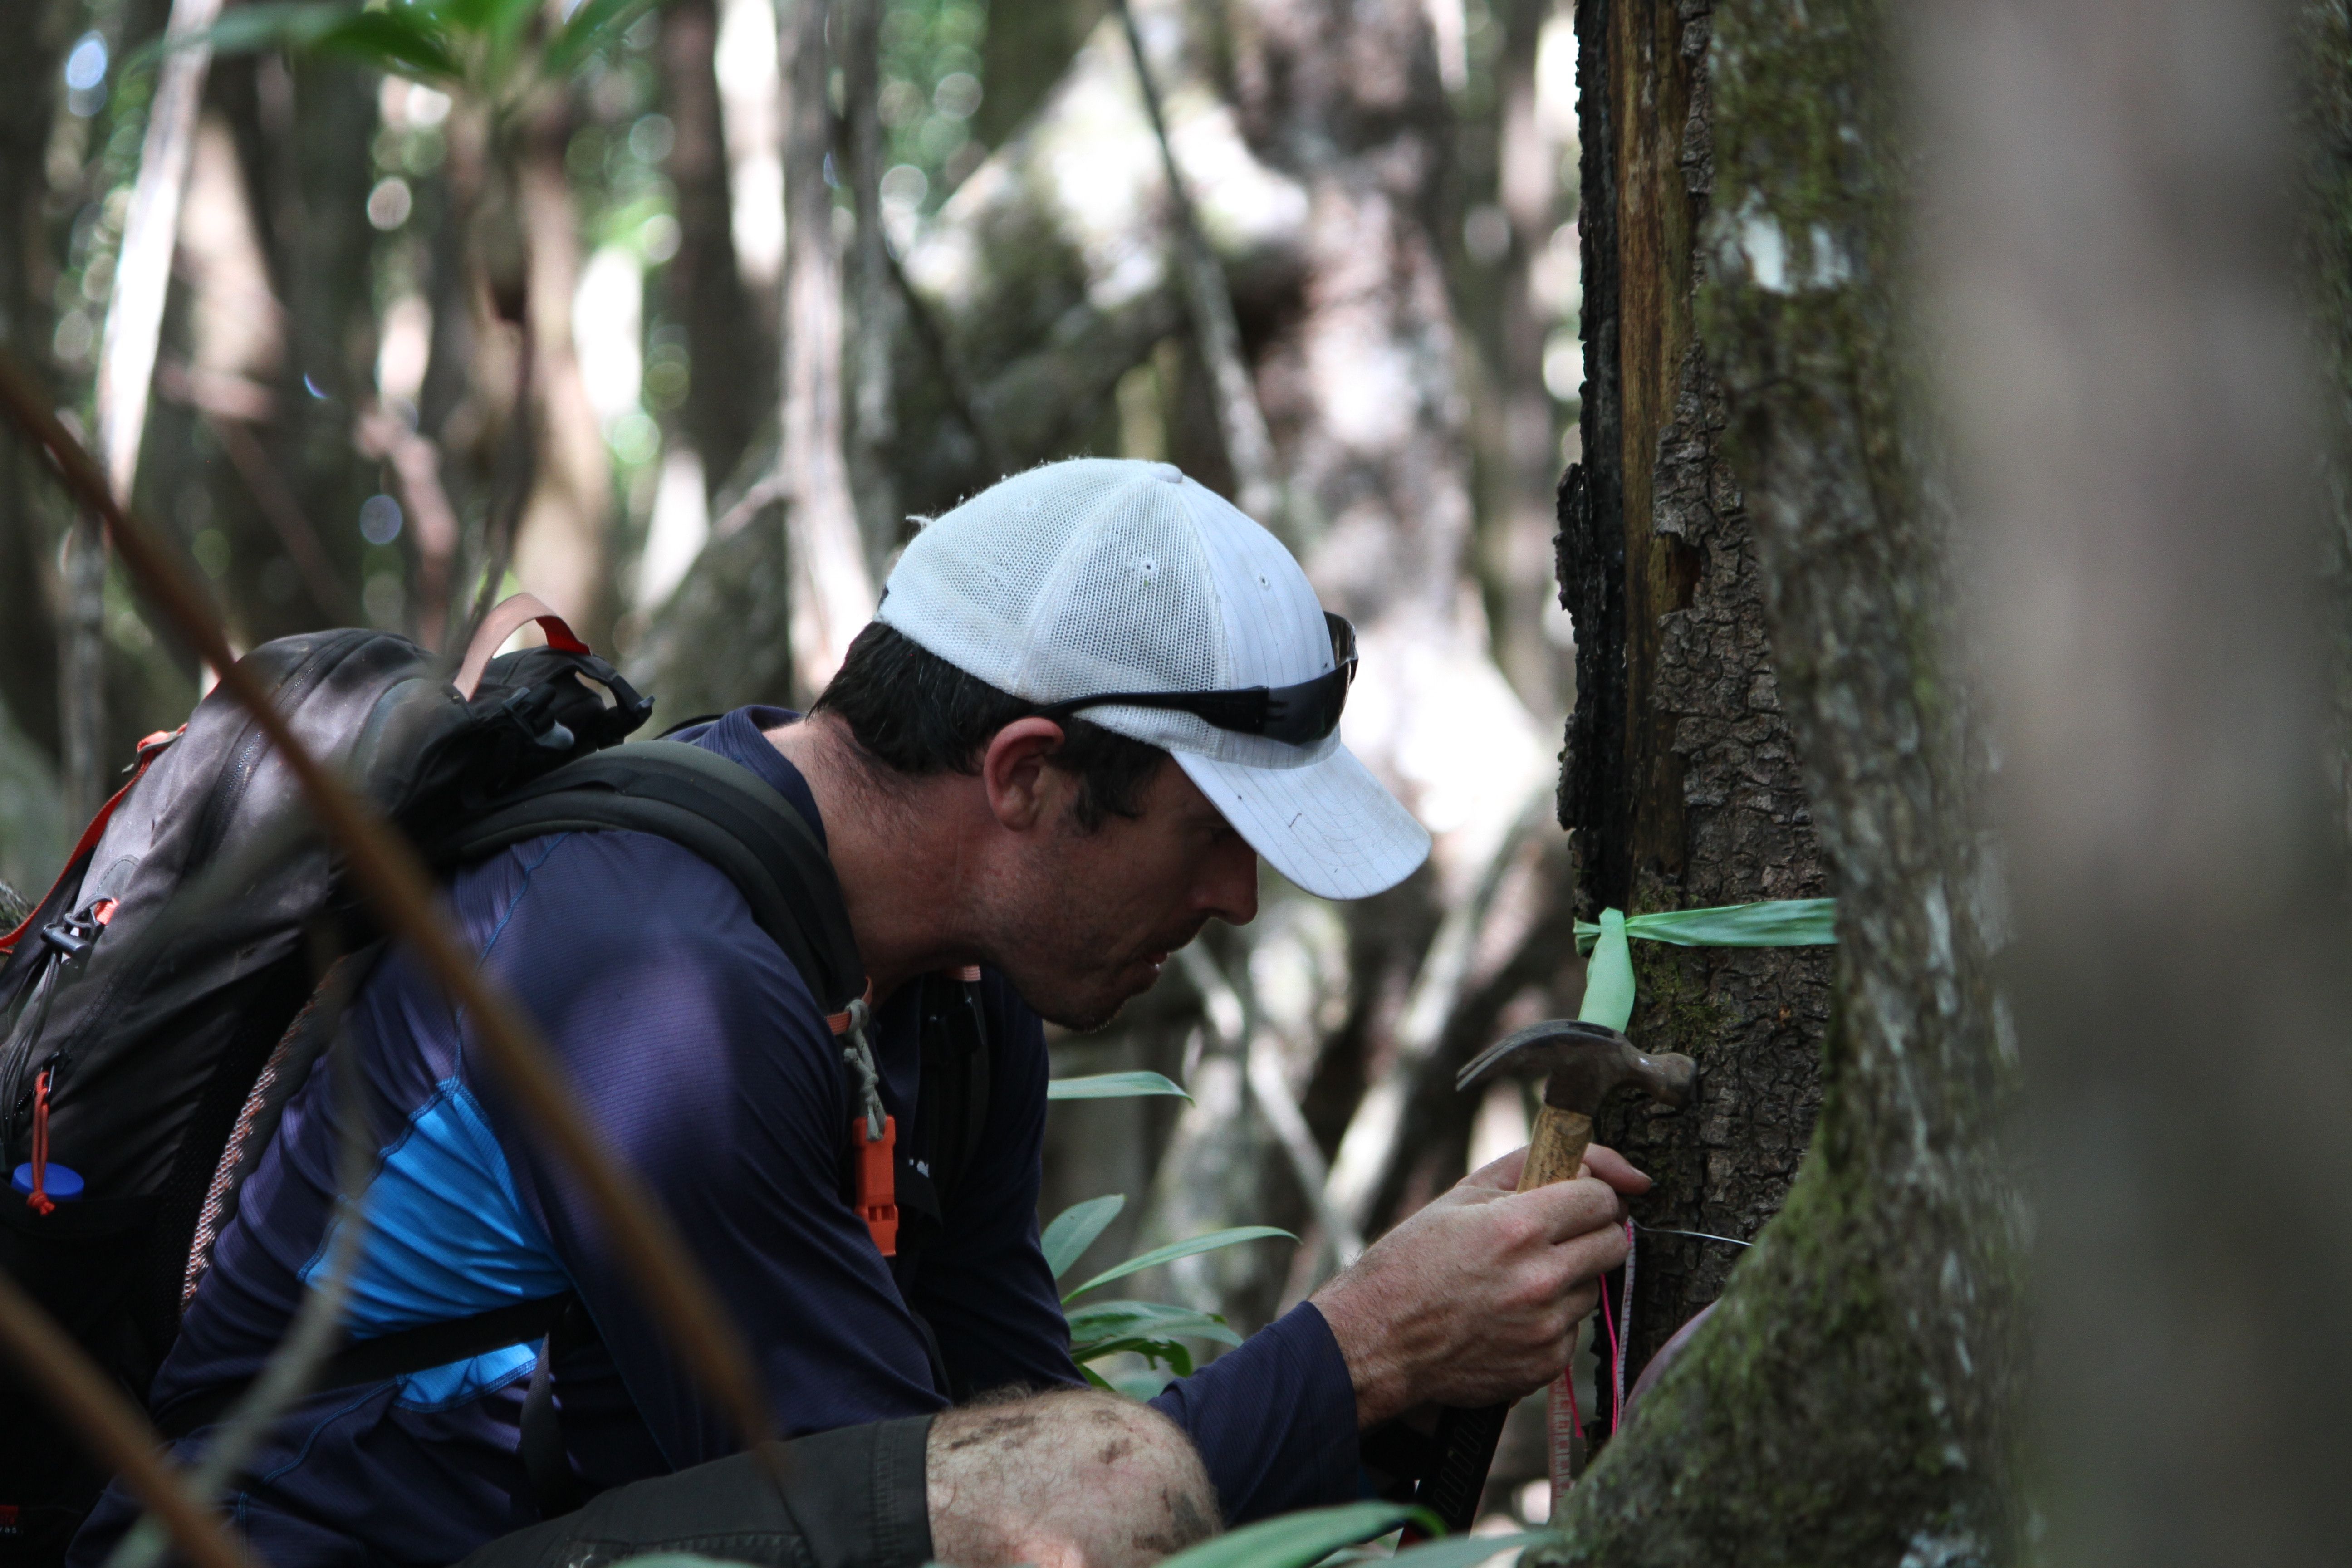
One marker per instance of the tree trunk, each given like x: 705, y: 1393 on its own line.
x: 2131, y: 380
x: 730, y: 360
x: 1523, y: 444
x: 1359, y: 385
x: 302, y: 130
x: 1680, y: 782
x: 833, y: 593
x: 874, y: 291
x: 28, y: 639
x: 560, y: 547
x: 2325, y: 58
x: 1847, y: 1401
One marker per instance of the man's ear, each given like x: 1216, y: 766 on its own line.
x: 1023, y: 792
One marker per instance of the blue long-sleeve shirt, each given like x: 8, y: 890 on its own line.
x: 704, y: 1062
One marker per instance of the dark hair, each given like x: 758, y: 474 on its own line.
x: 915, y: 713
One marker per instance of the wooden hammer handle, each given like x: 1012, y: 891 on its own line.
x: 1556, y: 1149
x: 1467, y: 1438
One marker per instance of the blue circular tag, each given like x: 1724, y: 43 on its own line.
x: 64, y: 1183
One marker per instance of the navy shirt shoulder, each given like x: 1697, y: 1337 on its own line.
x: 705, y: 1064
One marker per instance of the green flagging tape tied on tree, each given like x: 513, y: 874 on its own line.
x: 1609, y: 977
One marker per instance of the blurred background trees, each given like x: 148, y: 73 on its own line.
x: 681, y: 330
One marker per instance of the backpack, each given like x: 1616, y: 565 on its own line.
x: 171, y: 993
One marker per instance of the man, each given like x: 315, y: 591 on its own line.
x: 1092, y: 698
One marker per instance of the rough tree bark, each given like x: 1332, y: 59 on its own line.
x: 1847, y: 1401
x: 1681, y: 782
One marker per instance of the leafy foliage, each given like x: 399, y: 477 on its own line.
x: 1176, y: 1250
x: 1298, y: 1539
x: 486, y: 47
x: 1155, y: 1331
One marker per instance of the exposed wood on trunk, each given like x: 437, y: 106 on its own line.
x: 832, y: 594
x: 1848, y: 1401
x: 2131, y: 380
x: 1681, y: 782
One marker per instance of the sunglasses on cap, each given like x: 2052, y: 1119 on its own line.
x: 1297, y: 715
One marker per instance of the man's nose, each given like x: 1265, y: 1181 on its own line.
x: 1228, y: 888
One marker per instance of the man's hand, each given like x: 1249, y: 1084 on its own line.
x: 1476, y: 1299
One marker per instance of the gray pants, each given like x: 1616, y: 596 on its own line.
x: 853, y: 1499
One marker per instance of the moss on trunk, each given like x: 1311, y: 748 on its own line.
x: 1849, y: 1402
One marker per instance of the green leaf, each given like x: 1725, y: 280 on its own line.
x: 1469, y: 1551
x: 1075, y: 1229
x: 405, y: 41
x: 398, y: 41
x: 1114, y: 1320
x: 1776, y: 922
x: 591, y: 27
x: 246, y: 29
x: 1298, y: 1539
x: 483, y: 18
x: 1165, y: 1353
x: 1140, y: 1385
x: 1609, y: 977
x: 1176, y: 1250
x: 1113, y: 1086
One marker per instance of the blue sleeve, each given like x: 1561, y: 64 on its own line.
x: 983, y: 1285
x: 1274, y: 1420
x: 705, y: 1066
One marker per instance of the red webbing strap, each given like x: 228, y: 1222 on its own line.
x: 149, y: 750
x: 839, y: 1022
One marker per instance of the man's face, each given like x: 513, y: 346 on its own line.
x: 1089, y: 917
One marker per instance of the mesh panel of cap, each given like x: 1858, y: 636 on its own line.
x: 1103, y: 575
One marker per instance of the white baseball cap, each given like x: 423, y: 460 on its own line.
x: 1109, y: 578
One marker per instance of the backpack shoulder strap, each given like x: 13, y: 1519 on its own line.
x: 719, y: 810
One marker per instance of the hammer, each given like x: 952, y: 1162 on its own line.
x: 1581, y: 1063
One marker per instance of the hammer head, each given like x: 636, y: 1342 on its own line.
x: 1582, y: 1062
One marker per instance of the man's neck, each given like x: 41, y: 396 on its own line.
x: 899, y: 858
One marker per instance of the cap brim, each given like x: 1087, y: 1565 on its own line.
x: 1328, y: 826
